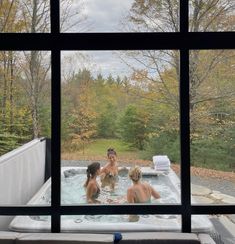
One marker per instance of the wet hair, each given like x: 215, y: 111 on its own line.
x: 111, y: 151
x: 135, y: 173
x: 91, y: 171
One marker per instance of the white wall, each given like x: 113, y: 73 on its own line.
x: 21, y: 175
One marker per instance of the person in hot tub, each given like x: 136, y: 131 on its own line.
x: 109, y: 173
x: 140, y: 192
x: 91, y: 185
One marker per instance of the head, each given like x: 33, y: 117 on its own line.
x: 135, y: 174
x: 111, y: 154
x: 93, y: 169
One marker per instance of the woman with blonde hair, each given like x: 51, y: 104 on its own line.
x: 140, y: 192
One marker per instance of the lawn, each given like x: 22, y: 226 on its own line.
x: 97, y: 150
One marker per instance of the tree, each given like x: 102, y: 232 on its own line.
x: 211, y: 71
x: 107, y: 121
x: 36, y: 15
x: 134, y: 126
x: 78, y: 98
x: 163, y: 16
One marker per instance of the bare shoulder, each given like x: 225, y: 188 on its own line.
x: 146, y: 184
x: 91, y: 184
x: 130, y: 190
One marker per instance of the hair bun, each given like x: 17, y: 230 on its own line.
x: 111, y: 151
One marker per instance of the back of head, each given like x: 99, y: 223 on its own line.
x: 92, y: 168
x: 91, y: 171
x: 135, y: 173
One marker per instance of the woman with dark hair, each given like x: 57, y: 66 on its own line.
x: 109, y: 173
x: 91, y: 185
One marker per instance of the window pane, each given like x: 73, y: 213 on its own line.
x: 212, y: 100
x: 220, y: 228
x: 31, y: 223
x: 119, y: 16
x: 5, y: 221
x: 120, y: 223
x: 25, y: 114
x: 214, y: 15
x: 120, y: 109
x: 31, y: 16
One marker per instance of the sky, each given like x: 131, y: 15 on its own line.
x: 98, y: 62
x: 102, y: 16
x: 105, y: 15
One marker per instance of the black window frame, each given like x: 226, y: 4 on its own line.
x: 184, y: 41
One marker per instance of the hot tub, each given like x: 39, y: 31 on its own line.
x: 166, y: 183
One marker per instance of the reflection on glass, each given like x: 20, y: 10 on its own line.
x: 211, y: 15
x: 121, y: 16
x: 4, y: 222
x: 119, y: 223
x: 31, y: 16
x: 203, y: 224
x: 212, y: 125
x: 31, y: 223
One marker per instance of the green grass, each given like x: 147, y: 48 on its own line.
x: 98, y: 149
x: 100, y: 146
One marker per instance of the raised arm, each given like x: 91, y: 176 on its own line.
x: 130, y: 196
x: 103, y: 172
x: 154, y: 193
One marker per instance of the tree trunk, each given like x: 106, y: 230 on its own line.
x: 11, y: 89
x: 34, y: 65
x: 4, y: 98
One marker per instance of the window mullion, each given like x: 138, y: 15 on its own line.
x: 55, y: 142
x: 185, y: 121
x: 56, y: 119
x: 185, y: 141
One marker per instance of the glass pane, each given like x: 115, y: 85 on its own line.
x: 120, y: 223
x: 5, y: 221
x: 31, y: 223
x: 214, y: 15
x: 25, y: 114
x: 119, y: 16
x: 220, y: 228
x: 120, y: 110
x: 212, y: 100
x: 31, y: 16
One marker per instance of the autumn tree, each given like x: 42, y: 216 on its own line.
x: 36, y: 15
x: 79, y: 99
x: 163, y: 16
x: 159, y: 70
x: 13, y: 116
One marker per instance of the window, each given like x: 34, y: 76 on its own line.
x: 57, y: 42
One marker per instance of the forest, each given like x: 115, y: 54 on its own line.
x: 140, y: 108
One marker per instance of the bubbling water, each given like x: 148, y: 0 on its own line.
x: 73, y: 192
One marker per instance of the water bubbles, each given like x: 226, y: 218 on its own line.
x: 78, y: 220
